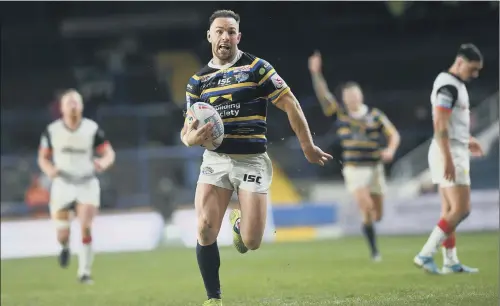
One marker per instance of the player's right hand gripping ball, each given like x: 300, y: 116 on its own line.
x: 206, y: 113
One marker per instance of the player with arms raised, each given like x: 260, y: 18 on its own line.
x: 449, y: 158
x: 66, y: 155
x: 239, y: 86
x: 361, y: 130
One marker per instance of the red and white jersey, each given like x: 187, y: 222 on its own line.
x: 449, y: 93
x: 73, y: 150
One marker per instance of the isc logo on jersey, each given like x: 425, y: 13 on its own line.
x: 205, y: 113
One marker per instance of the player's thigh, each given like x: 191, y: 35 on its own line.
x: 215, y: 170
x: 357, y: 178
x: 86, y: 214
x: 210, y: 203
x: 88, y: 198
x: 378, y: 184
x: 358, y: 181
x: 461, y: 161
x: 62, y: 197
x: 253, y: 217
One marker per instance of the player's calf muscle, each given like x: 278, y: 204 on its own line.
x: 207, y: 232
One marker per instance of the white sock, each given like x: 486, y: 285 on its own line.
x: 450, y: 256
x: 436, y: 238
x: 85, y: 259
x: 65, y: 246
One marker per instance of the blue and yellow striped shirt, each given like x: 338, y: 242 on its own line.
x: 361, y: 139
x: 240, y: 94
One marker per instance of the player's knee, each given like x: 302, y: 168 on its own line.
x: 63, y: 235
x: 377, y: 216
x: 460, y: 212
x: 63, y: 230
x: 367, y: 216
x: 252, y: 243
x: 464, y: 216
x: 207, y: 233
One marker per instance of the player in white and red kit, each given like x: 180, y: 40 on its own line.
x: 66, y: 155
x: 449, y: 158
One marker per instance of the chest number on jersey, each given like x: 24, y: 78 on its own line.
x: 252, y: 178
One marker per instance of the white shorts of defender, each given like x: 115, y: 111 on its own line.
x: 63, y: 194
x: 461, y: 160
x: 372, y: 177
x: 252, y: 173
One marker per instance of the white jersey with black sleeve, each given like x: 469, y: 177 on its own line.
x: 449, y: 93
x: 73, y: 150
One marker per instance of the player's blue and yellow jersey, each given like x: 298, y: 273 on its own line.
x: 240, y: 94
x: 362, y: 139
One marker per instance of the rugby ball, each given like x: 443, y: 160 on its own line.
x: 206, y: 113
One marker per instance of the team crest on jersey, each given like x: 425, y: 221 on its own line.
x: 241, y: 77
x: 207, y: 170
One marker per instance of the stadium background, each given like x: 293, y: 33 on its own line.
x: 131, y: 62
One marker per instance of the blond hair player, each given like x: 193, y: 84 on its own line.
x: 66, y: 155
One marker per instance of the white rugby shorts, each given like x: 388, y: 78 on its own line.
x: 63, y: 194
x: 461, y: 160
x: 252, y: 172
x: 370, y: 176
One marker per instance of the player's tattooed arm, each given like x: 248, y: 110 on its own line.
x: 446, y: 97
x: 291, y: 106
x: 326, y: 99
x: 441, y: 120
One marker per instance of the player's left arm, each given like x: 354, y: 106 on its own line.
x: 391, y: 133
x: 105, y: 151
x: 274, y: 88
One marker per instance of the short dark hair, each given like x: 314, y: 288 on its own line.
x: 470, y: 52
x: 223, y: 14
x: 349, y: 84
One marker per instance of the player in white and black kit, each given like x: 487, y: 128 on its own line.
x: 449, y: 158
x: 66, y: 155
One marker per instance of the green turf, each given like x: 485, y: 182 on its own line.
x: 314, y: 273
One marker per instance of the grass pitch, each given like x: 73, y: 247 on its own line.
x: 311, y: 273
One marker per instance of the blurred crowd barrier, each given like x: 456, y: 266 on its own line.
x: 149, y: 230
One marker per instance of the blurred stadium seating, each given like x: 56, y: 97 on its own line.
x: 131, y: 63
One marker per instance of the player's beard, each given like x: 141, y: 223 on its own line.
x: 224, y: 55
